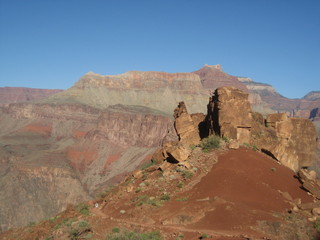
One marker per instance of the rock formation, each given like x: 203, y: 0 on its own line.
x: 19, y: 94
x: 70, y: 150
x: 292, y: 141
x: 186, y: 128
x: 229, y: 114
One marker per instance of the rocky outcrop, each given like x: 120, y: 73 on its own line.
x: 19, y: 94
x: 186, y: 128
x: 229, y: 114
x: 188, y: 131
x: 292, y: 141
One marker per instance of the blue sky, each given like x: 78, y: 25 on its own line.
x: 52, y: 43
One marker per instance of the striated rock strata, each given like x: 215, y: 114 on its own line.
x: 20, y: 94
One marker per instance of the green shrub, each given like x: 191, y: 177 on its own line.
x: 116, y: 230
x: 165, y: 197
x: 127, y: 235
x: 148, y: 164
x: 187, y: 174
x: 83, y: 224
x: 212, y: 142
x: 145, y: 199
x: 180, y: 185
x: 83, y: 208
x: 192, y: 147
x: 317, y: 225
x: 203, y: 236
x: 182, y: 199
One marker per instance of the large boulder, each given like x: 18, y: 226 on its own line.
x: 229, y: 114
x: 185, y: 127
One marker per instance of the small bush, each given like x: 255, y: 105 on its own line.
x: 148, y: 164
x: 192, y: 147
x: 83, y: 224
x: 116, y: 230
x: 212, y: 142
x: 180, y: 185
x: 165, y: 197
x: 83, y: 208
x: 187, y: 174
x: 203, y: 236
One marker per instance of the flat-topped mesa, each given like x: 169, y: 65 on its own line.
x: 150, y: 80
x: 292, y: 141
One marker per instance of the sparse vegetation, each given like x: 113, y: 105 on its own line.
x: 148, y: 164
x: 180, y: 185
x: 106, y: 192
x: 83, y: 224
x: 203, y: 236
x: 249, y: 146
x: 31, y: 224
x: 192, y: 147
x: 116, y: 230
x: 273, y: 169
x: 128, y: 235
x: 182, y: 199
x: 317, y: 225
x: 145, y: 199
x: 186, y: 174
x: 212, y: 142
x: 165, y: 197
x: 83, y: 208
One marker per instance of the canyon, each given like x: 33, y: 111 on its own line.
x: 75, y: 143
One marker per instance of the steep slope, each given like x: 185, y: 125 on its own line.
x: 223, y: 195
x: 69, y: 150
x: 19, y: 94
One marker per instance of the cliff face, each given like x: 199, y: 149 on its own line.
x: 69, y: 151
x: 292, y: 141
x: 265, y: 99
x: 156, y: 90
x: 19, y: 94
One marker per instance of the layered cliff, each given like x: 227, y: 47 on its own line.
x: 157, y: 90
x: 71, y: 151
x: 19, y: 94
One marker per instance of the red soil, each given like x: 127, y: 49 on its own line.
x: 38, y: 128
x: 79, y: 134
x: 80, y: 159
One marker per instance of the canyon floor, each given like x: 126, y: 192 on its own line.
x: 223, y: 194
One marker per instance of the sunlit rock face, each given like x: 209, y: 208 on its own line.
x: 292, y: 141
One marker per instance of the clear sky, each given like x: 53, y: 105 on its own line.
x: 52, y: 43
